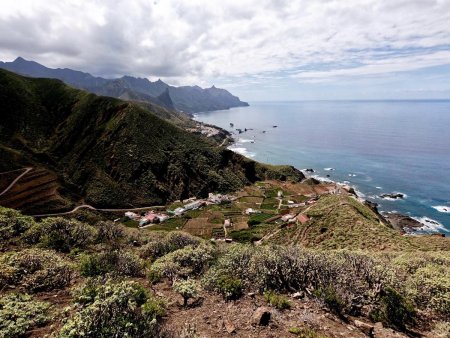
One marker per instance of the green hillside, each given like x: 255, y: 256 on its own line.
x: 113, y: 153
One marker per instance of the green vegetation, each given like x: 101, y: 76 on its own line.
x: 34, y: 270
x: 188, y: 289
x: 13, y: 223
x: 113, y: 309
x: 229, y: 287
x: 276, y: 300
x: 252, y: 234
x: 260, y: 218
x: 168, y: 243
x: 60, y: 234
x: 114, y: 262
x: 19, y: 313
x: 305, y: 332
x: 116, y: 153
x: 269, y: 204
x: 101, y: 273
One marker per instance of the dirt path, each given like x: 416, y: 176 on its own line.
x: 87, y: 206
x: 223, y: 142
x: 27, y: 170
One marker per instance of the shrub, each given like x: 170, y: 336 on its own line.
x: 19, y: 313
x: 173, y: 241
x: 394, y: 310
x: 60, y: 234
x: 276, y: 300
x: 229, y: 287
x: 357, y: 279
x: 188, y: 261
x: 187, y: 289
x: 305, y: 332
x: 331, y: 299
x: 34, y: 270
x: 116, y: 262
x: 109, y: 232
x: 429, y: 288
x: 113, y: 309
x: 13, y: 223
x: 252, y: 222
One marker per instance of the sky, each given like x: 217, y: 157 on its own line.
x: 257, y: 49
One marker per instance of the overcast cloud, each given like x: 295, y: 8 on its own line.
x: 295, y: 46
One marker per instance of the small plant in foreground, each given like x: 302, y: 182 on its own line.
x: 394, y: 310
x: 19, y: 313
x: 276, y: 300
x: 230, y: 287
x: 187, y: 289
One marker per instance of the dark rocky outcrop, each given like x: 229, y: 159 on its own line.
x: 402, y: 222
x: 394, y: 195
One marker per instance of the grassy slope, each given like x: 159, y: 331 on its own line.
x: 341, y: 222
x: 112, y: 152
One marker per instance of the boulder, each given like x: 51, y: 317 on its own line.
x: 298, y: 295
x: 261, y: 316
x: 364, y: 327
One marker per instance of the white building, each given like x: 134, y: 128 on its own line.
x: 193, y: 205
x: 179, y: 211
x: 287, y: 217
x: 131, y: 215
x: 251, y: 211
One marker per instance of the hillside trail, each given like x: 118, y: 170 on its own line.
x: 27, y: 170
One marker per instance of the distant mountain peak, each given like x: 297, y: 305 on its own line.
x: 190, y: 99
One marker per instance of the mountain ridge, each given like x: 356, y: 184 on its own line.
x: 188, y: 99
x: 112, y: 152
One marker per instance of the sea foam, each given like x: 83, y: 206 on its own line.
x: 242, y: 151
x: 442, y: 208
x: 430, y: 225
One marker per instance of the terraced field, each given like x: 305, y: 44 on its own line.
x: 36, y: 190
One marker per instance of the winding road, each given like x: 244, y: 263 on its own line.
x: 27, y: 170
x: 83, y: 206
x: 87, y: 206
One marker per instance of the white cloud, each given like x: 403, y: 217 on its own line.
x: 196, y: 41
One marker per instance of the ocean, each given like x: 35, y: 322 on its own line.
x: 376, y: 146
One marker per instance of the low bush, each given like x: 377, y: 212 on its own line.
x: 230, y: 288
x: 34, y: 270
x: 188, y: 289
x: 116, y: 262
x: 109, y: 232
x: 20, y: 313
x: 173, y: 241
x: 276, y: 300
x: 185, y: 262
x: 113, y: 309
x: 13, y: 223
x: 345, y: 281
x: 429, y: 288
x: 60, y: 234
x: 394, y: 310
x: 331, y: 298
x: 305, y: 332
x: 252, y: 222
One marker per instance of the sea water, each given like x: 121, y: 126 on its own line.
x: 377, y: 146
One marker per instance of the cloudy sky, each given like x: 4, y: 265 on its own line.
x: 258, y: 49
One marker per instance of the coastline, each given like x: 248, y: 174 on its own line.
x: 404, y: 222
